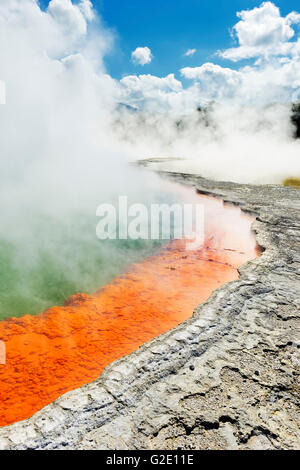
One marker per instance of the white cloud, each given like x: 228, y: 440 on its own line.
x: 275, y: 81
x: 70, y: 17
x: 150, y: 92
x: 216, y: 83
x: 208, y: 70
x: 56, y: 126
x: 263, y: 32
x: 278, y: 80
x: 86, y: 8
x: 61, y: 30
x: 57, y: 91
x: 265, y: 35
x: 142, y: 55
x: 263, y: 26
x: 190, y: 52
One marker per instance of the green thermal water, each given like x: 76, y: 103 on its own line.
x: 46, y: 258
x: 29, y: 288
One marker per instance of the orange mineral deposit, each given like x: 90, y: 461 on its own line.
x: 66, y: 347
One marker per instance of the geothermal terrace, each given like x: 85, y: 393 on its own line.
x: 224, y: 378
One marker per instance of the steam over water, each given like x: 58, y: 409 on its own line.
x: 66, y: 347
x: 53, y: 256
x: 66, y: 141
x: 246, y: 144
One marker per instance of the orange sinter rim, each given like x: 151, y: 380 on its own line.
x: 66, y: 347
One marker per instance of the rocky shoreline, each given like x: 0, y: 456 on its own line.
x: 227, y: 378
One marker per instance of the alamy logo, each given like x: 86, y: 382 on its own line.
x: 2, y: 353
x: 2, y: 92
x: 159, y: 222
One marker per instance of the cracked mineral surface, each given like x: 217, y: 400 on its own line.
x: 227, y: 378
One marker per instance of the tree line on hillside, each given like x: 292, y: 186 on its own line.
x: 295, y: 117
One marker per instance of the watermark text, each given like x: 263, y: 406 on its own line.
x: 157, y: 222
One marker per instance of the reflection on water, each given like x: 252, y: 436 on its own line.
x: 66, y: 347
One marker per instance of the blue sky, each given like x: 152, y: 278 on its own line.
x: 169, y: 28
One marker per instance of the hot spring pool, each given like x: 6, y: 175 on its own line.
x: 145, y: 290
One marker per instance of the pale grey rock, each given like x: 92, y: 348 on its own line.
x: 227, y: 378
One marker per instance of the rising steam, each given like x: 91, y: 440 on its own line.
x: 224, y: 142
x: 66, y: 143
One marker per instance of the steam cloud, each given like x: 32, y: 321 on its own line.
x: 65, y: 139
x: 58, y: 130
x: 59, y: 160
